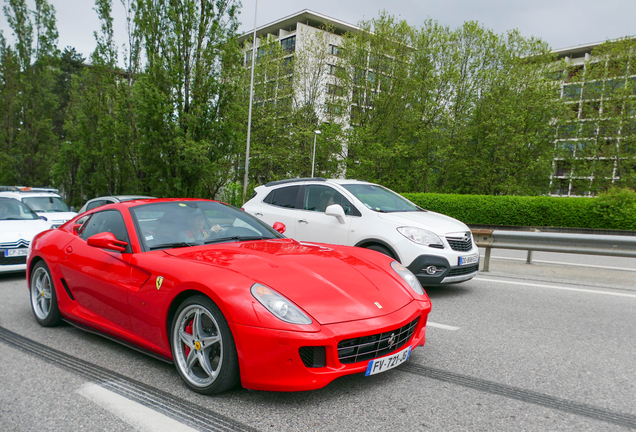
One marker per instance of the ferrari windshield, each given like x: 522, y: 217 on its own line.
x: 46, y: 204
x: 380, y: 199
x: 174, y: 224
x: 11, y: 209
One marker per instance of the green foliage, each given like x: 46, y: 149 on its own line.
x: 462, y: 110
x: 614, y: 210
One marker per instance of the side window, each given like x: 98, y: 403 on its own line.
x: 283, y: 197
x: 96, y: 204
x: 105, y: 221
x: 318, y: 198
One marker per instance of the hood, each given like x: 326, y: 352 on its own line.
x: 329, y: 284
x: 57, y: 218
x: 11, y: 231
x: 435, y: 222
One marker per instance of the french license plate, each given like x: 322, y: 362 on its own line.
x: 15, y: 252
x: 385, y: 363
x: 470, y: 259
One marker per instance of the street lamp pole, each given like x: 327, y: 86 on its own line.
x: 313, y: 158
x: 249, y: 115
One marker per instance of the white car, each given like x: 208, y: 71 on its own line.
x: 45, y: 203
x: 103, y: 200
x: 18, y: 225
x: 436, y: 248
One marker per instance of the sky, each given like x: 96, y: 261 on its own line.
x: 561, y: 23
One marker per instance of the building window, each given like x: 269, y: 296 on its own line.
x: 332, y: 69
x: 334, y: 50
x: 248, y: 57
x: 334, y: 90
x: 289, y: 44
x: 562, y: 168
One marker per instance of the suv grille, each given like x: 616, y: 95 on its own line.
x: 460, y: 245
x: 374, y: 346
x: 463, y: 270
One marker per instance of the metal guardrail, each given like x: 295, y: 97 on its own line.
x: 589, y: 244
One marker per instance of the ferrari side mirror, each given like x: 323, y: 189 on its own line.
x: 280, y: 227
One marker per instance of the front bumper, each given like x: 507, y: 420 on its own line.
x: 445, y: 273
x: 269, y: 359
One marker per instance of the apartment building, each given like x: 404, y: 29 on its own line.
x: 596, y: 146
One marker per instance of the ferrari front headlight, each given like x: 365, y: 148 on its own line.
x: 408, y: 277
x: 278, y: 305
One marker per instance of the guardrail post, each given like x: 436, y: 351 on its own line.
x: 529, y: 259
x: 487, y: 260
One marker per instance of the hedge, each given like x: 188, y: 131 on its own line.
x: 613, y: 210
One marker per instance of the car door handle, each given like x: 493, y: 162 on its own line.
x: 302, y: 221
x: 69, y: 250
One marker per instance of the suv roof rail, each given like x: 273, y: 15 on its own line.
x: 38, y: 189
x: 277, y: 182
x: 9, y: 189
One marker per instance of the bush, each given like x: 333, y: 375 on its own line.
x: 616, y: 209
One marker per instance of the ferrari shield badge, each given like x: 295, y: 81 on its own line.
x: 159, y: 281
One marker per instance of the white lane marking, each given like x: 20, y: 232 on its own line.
x: 138, y: 416
x: 442, y: 326
x: 566, y: 263
x: 556, y: 287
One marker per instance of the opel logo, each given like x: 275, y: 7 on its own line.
x: 466, y: 238
x: 391, y: 340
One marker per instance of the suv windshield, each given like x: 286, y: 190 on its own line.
x: 11, y: 209
x: 380, y: 199
x: 173, y: 224
x: 46, y: 204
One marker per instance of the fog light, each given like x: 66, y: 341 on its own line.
x: 431, y: 270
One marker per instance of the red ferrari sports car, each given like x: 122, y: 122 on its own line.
x: 225, y: 297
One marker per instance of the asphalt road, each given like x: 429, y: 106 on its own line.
x: 522, y: 348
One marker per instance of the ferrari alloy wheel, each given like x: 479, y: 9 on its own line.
x: 203, y: 347
x: 43, y: 298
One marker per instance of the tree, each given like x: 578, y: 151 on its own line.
x: 27, y: 86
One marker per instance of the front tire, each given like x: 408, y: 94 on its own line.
x: 203, y: 347
x: 43, y: 297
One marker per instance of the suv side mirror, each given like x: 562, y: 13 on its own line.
x: 107, y: 240
x: 72, y: 209
x: 336, y: 211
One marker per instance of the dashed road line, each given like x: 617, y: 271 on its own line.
x: 558, y: 287
x: 441, y: 326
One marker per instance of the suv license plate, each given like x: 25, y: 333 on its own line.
x: 470, y: 259
x: 386, y: 363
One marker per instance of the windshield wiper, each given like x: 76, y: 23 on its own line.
x: 236, y: 238
x: 174, y: 245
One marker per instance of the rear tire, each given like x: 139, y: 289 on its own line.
x: 43, y: 297
x: 381, y: 249
x: 203, y: 348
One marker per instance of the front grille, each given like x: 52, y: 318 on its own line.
x: 374, y: 346
x: 459, y: 271
x: 11, y: 260
x: 15, y: 259
x: 313, y: 356
x: 460, y: 245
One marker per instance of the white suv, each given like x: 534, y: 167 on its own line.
x: 45, y: 202
x: 436, y: 248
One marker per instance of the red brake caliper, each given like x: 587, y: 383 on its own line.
x: 188, y: 330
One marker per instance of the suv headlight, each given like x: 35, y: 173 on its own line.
x: 278, y: 305
x: 420, y: 236
x: 408, y: 277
